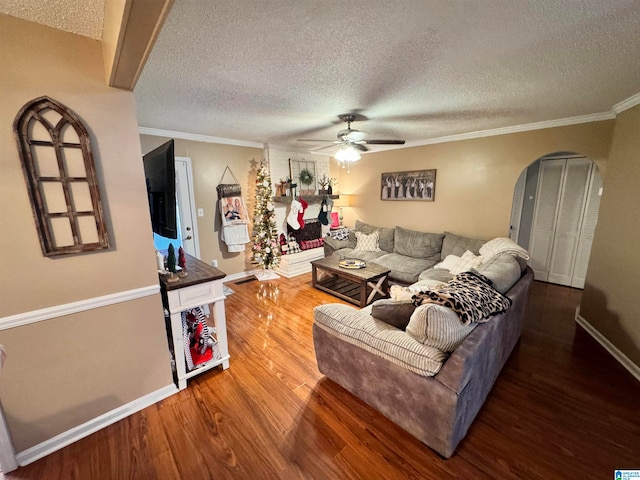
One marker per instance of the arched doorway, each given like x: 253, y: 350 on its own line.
x: 555, y: 211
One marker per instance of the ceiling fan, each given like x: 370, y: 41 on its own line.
x: 353, y: 138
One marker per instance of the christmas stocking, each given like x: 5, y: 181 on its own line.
x: 292, y: 218
x: 322, y: 216
x: 303, y: 207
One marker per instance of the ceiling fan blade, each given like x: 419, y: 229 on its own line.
x: 316, y: 149
x: 316, y: 140
x: 360, y: 146
x: 384, y: 142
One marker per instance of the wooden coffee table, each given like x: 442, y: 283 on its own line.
x: 358, y: 286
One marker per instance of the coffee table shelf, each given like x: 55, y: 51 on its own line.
x: 359, y: 287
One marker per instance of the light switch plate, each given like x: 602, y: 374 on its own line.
x: 201, y: 212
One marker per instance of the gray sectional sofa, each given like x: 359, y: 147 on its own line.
x: 421, y: 366
x: 407, y: 253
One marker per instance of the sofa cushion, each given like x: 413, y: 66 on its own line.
x: 438, y: 327
x: 503, y: 270
x: 403, y: 268
x: 435, y: 273
x: 456, y: 245
x: 393, y: 312
x: 418, y: 244
x: 386, y: 234
x: 377, y: 337
x: 367, y: 242
x: 360, y: 254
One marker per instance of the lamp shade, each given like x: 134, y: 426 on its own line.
x: 343, y: 201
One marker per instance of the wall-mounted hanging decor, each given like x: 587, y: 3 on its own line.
x: 60, y: 174
x: 415, y: 185
x: 303, y: 173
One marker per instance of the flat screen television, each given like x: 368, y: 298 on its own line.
x: 160, y: 174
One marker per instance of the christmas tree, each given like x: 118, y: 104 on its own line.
x: 266, y: 250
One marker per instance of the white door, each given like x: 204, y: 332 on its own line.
x: 588, y: 229
x: 544, y: 216
x: 576, y: 178
x: 516, y: 209
x: 186, y: 207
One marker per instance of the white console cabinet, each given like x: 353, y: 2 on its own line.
x: 202, y: 286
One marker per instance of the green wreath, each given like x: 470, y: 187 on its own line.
x: 306, y: 177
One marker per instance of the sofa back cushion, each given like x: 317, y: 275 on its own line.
x: 503, y: 270
x: 456, y: 245
x: 438, y: 327
x: 387, y: 235
x: 418, y: 244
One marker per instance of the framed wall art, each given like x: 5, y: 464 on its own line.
x: 417, y: 185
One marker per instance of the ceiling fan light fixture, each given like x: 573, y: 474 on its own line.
x: 347, y: 153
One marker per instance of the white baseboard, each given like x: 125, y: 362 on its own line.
x: 66, y: 438
x: 608, y: 346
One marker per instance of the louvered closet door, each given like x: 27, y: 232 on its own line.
x: 588, y: 229
x: 544, y: 217
x: 569, y: 220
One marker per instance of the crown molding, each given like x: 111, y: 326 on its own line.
x: 626, y: 104
x: 561, y: 122
x: 156, y: 132
x: 527, y: 127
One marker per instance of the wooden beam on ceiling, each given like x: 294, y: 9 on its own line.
x: 130, y: 30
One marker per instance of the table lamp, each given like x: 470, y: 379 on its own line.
x: 343, y: 201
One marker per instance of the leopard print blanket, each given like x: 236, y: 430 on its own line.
x: 470, y: 294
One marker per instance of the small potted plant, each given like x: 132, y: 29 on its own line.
x: 327, y: 184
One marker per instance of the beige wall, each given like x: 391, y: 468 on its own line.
x: 611, y: 290
x: 475, y: 178
x: 208, y: 161
x: 66, y: 370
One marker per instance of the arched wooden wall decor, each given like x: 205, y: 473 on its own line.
x: 60, y: 174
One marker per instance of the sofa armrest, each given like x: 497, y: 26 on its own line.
x: 485, y: 350
x: 331, y: 245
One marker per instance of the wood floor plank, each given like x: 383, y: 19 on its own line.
x: 561, y: 408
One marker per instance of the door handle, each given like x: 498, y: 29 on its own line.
x: 188, y: 237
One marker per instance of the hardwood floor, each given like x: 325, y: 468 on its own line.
x: 561, y: 408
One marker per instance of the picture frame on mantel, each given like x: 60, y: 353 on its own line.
x: 416, y: 185
x: 308, y: 169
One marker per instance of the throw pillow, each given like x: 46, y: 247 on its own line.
x: 367, y: 243
x: 448, y: 263
x: 470, y: 295
x: 386, y: 234
x: 396, y: 292
x: 438, y: 327
x: 466, y: 262
x: 394, y: 312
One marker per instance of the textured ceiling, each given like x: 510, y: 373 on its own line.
x: 272, y: 71
x: 83, y: 17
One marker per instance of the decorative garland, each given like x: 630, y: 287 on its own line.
x: 306, y: 177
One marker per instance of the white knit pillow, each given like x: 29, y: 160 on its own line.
x: 466, y: 262
x: 368, y: 243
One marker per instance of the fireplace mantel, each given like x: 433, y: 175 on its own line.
x: 308, y: 198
